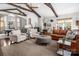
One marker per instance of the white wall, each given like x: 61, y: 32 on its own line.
x: 41, y: 22
x: 34, y: 19
x: 53, y: 24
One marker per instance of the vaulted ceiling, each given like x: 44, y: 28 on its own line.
x: 39, y: 9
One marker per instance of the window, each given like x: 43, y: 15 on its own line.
x: 1, y: 24
x: 18, y: 23
x: 64, y: 23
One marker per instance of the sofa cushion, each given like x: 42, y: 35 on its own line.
x: 66, y: 42
x: 71, y: 35
x: 62, y: 32
x: 16, y: 32
x: 55, y: 35
x: 56, y: 31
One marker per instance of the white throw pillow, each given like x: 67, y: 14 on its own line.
x: 16, y: 32
x: 71, y: 35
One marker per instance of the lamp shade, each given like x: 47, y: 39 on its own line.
x: 27, y: 26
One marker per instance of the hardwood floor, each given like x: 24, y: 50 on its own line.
x: 1, y: 54
x: 29, y: 48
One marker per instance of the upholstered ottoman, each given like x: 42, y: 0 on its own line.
x: 43, y: 39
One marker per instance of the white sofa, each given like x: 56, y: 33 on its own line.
x: 2, y: 35
x: 20, y: 36
x: 33, y: 33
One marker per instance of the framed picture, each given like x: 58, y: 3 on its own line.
x: 48, y: 25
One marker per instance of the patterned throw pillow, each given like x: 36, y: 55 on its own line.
x: 71, y: 35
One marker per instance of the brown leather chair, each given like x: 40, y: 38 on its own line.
x: 59, y: 33
x: 75, y: 44
x: 74, y: 48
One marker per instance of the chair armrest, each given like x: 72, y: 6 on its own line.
x: 74, y: 46
x: 74, y: 41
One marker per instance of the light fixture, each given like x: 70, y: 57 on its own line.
x: 27, y: 26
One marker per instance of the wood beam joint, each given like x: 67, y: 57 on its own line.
x: 19, y: 7
x: 51, y: 7
x: 32, y: 10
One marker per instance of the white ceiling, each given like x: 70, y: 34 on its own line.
x: 43, y: 10
x: 66, y: 8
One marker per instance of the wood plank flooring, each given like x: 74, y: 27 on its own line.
x: 29, y: 48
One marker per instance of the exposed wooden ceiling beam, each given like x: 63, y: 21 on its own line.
x: 12, y: 12
x: 51, y: 7
x: 22, y: 12
x: 8, y: 10
x: 33, y: 10
x: 19, y: 7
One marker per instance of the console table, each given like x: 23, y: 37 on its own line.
x: 7, y: 31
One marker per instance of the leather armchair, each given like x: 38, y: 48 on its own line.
x: 75, y: 44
